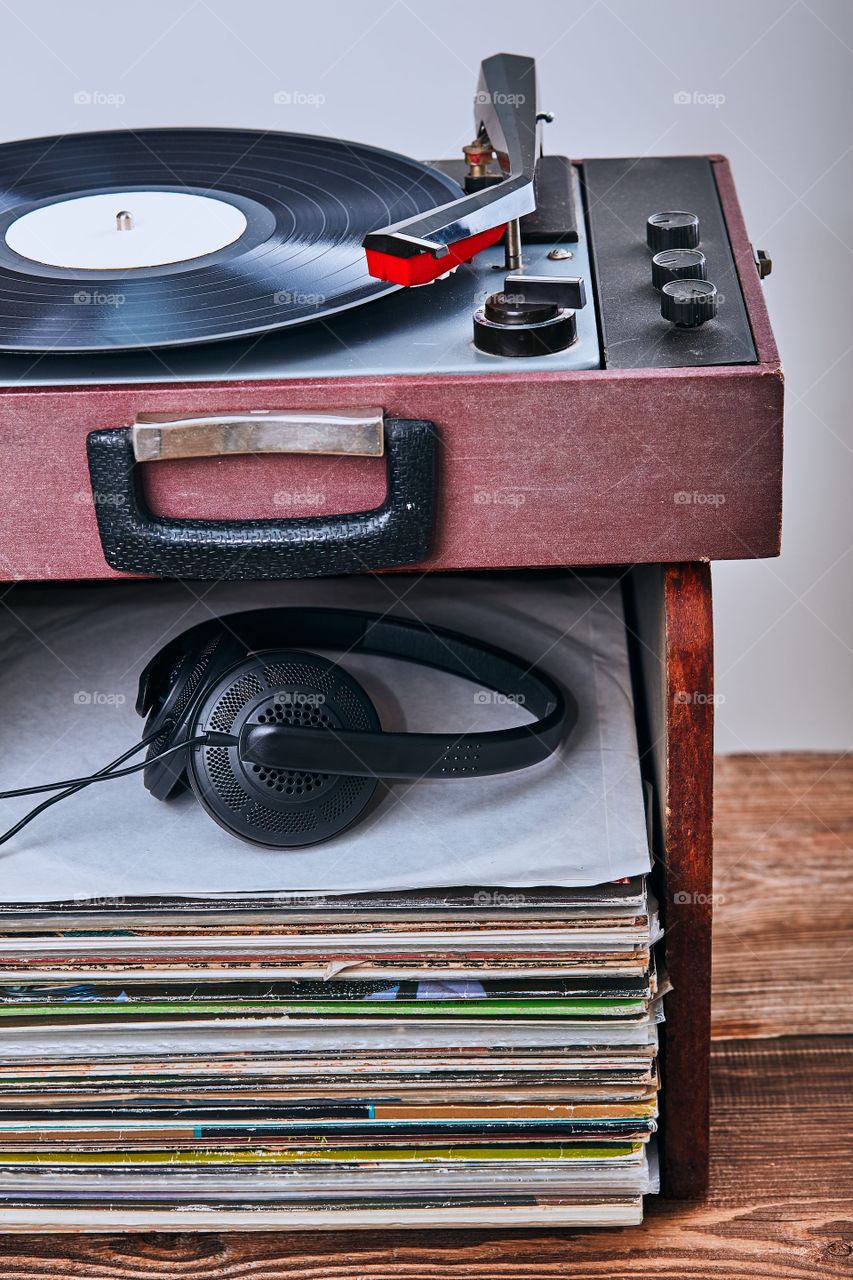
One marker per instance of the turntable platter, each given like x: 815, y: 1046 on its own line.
x: 117, y: 241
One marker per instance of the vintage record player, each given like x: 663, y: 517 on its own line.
x: 232, y: 355
x: 215, y: 300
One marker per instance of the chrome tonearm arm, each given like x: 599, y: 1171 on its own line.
x: 505, y: 114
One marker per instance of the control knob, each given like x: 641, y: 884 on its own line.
x: 677, y: 264
x: 688, y: 303
x: 672, y: 229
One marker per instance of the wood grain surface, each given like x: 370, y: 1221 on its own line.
x: 685, y: 883
x: 781, y: 1198
x: 783, y: 911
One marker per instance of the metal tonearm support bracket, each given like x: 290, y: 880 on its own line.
x: 422, y: 248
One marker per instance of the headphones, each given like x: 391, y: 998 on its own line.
x: 283, y: 747
x: 305, y: 749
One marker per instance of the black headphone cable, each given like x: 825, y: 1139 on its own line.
x: 108, y: 772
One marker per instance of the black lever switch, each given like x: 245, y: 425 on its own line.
x: 531, y: 316
x: 560, y: 291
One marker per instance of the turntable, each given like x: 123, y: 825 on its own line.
x: 210, y: 340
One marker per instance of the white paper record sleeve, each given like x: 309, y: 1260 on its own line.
x: 72, y: 656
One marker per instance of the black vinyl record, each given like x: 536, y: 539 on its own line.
x: 304, y: 203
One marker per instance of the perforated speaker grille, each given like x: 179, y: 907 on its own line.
x: 233, y: 701
x: 222, y: 776
x: 283, y: 821
x: 305, y: 712
x: 284, y: 808
x: 297, y: 673
x: 342, y: 799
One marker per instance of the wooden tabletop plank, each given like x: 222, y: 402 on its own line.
x: 783, y: 909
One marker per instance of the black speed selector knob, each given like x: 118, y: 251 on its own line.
x: 688, y: 303
x: 672, y: 229
x: 534, y: 315
x: 677, y: 264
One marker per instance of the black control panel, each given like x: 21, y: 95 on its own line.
x: 666, y: 284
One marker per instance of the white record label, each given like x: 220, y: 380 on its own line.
x: 165, y: 226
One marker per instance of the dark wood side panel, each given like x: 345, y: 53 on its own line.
x: 670, y: 612
x: 688, y: 873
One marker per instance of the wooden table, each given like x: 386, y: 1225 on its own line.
x: 781, y: 1199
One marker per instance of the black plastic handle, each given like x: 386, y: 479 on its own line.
x: 135, y: 540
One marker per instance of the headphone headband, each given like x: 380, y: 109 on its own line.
x: 379, y: 754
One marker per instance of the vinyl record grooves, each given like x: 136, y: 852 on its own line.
x: 302, y: 206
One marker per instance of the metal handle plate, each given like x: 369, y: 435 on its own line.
x: 159, y: 436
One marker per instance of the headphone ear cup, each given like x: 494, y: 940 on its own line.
x: 168, y: 719
x: 280, y: 808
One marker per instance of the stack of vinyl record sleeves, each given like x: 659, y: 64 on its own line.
x: 398, y: 1056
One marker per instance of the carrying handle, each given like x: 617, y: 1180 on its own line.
x: 135, y: 540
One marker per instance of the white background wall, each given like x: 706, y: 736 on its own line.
x: 401, y: 73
